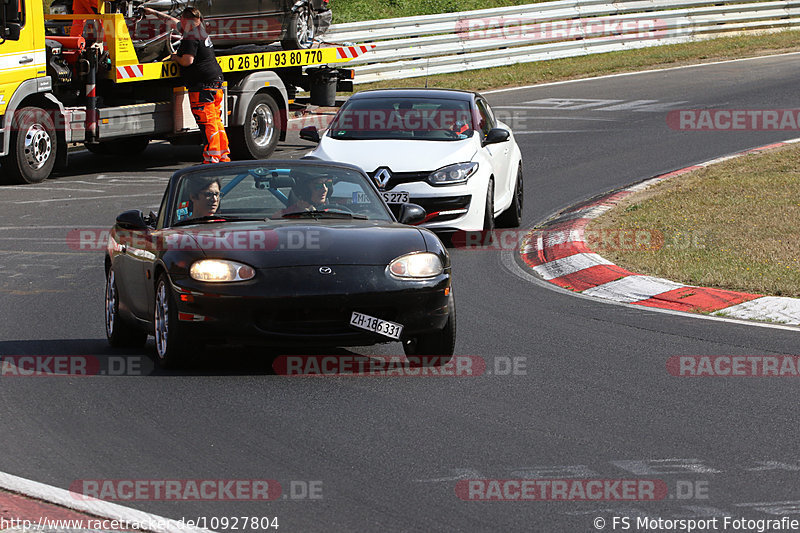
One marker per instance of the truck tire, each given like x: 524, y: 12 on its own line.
x: 258, y: 136
x: 127, y: 147
x: 300, y: 29
x: 33, y: 147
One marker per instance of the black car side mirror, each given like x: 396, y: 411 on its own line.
x: 310, y: 133
x: 132, y: 220
x: 496, y: 135
x: 411, y: 214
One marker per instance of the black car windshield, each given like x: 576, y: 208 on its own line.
x: 403, y: 118
x: 230, y: 193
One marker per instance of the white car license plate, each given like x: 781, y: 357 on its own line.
x: 395, y: 197
x: 376, y: 325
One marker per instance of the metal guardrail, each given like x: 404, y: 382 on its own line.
x: 455, y: 42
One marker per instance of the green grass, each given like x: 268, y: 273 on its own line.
x: 358, y: 10
x: 735, y: 225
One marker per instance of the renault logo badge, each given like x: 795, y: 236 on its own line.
x: 382, y: 177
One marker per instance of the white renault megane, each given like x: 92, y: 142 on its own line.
x: 441, y: 149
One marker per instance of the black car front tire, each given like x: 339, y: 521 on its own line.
x: 437, y: 348
x: 172, y: 344
x: 120, y: 334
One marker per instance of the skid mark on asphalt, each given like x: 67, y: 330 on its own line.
x: 52, y: 272
x: 36, y: 189
x: 84, y: 198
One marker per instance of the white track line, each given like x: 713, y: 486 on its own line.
x: 695, y: 65
x: 103, y: 509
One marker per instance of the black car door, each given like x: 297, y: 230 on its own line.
x: 227, y: 8
x: 277, y: 8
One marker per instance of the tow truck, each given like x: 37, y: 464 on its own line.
x: 57, y: 92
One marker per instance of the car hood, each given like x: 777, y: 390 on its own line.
x: 398, y: 155
x: 300, y: 243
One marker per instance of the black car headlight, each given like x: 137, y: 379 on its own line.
x: 416, y: 266
x: 453, y: 174
x: 220, y: 270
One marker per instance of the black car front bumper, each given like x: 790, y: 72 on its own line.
x: 294, y: 306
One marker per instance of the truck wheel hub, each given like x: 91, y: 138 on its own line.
x: 37, y: 146
x: 262, y: 125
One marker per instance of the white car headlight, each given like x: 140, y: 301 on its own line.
x: 416, y: 265
x: 453, y: 174
x: 219, y: 270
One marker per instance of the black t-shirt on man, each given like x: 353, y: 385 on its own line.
x: 205, y: 69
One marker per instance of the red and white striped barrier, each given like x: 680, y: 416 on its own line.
x: 130, y: 71
x: 352, y: 52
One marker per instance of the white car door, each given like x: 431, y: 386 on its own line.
x: 499, y: 155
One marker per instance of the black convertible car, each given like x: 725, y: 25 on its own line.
x: 283, y: 253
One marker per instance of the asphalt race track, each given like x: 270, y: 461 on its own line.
x: 592, y: 399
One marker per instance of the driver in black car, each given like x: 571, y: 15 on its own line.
x: 310, y: 194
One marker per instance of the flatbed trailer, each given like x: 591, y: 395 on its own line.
x: 57, y: 91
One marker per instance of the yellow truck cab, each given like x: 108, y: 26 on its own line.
x: 27, y: 128
x: 61, y: 91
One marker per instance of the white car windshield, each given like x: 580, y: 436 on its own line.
x: 422, y: 119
